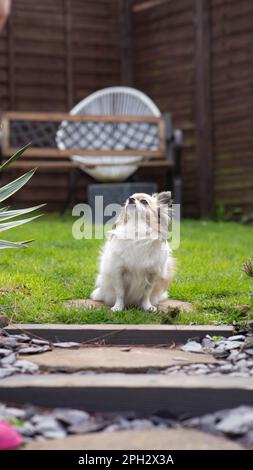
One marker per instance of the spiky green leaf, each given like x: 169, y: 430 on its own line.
x: 5, y: 244
x: 12, y: 187
x: 16, y: 223
x: 14, y: 157
x: 2, y: 209
x: 16, y: 213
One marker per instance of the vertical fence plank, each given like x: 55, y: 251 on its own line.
x: 126, y: 56
x: 203, y: 110
x: 11, y: 62
x: 69, y: 65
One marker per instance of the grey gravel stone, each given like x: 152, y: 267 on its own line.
x: 85, y: 427
x: 140, y: 424
x: 40, y: 342
x: 26, y: 367
x: 197, y: 366
x: 2, y: 411
x: 8, y: 360
x: 175, y: 372
x: 199, y: 372
x: 54, y: 434
x: 27, y: 429
x: 219, y: 354
x: 22, y: 338
x: 234, y: 355
x: 236, y: 338
x: 8, y: 342
x: 168, y: 422
x: 6, y: 372
x: 208, y: 423
x: 192, y: 346
x: 44, y: 420
x: 241, y: 363
x: 34, y: 349
x: 238, y: 421
x: 241, y: 356
x: 249, y: 362
x: 195, y: 339
x: 113, y: 428
x: 4, y: 352
x: 173, y: 368
x: 192, y: 422
x: 71, y: 417
x: 229, y: 345
x: 226, y: 367
x: 47, y: 426
x: 248, y: 439
x: 208, y: 343
x: 16, y: 413
x: 67, y: 345
x: 220, y: 346
x: 248, y: 343
x: 239, y: 374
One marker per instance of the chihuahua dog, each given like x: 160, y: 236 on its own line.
x: 136, y: 263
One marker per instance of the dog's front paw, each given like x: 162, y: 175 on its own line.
x: 148, y: 307
x: 117, y: 308
x: 152, y: 308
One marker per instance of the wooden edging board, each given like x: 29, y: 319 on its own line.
x: 121, y: 334
x: 143, y: 393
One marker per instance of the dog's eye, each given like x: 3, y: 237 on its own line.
x: 144, y: 202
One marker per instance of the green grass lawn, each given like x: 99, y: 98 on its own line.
x: 35, y: 282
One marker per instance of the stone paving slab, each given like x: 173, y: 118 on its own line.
x: 116, y: 359
x: 169, y: 306
x: 147, y: 334
x: 142, y: 393
x: 171, y: 439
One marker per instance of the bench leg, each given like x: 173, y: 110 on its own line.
x: 177, y: 190
x: 169, y: 181
x: 73, y: 180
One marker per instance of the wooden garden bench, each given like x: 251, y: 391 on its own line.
x: 44, y: 131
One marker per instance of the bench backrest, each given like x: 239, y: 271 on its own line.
x: 61, y: 135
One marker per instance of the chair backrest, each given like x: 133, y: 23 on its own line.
x: 119, y: 100
x: 117, y: 136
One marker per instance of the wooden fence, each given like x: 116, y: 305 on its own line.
x: 53, y: 53
x: 192, y: 57
x: 195, y: 57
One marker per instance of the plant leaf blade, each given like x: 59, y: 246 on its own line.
x: 14, y: 157
x: 16, y: 213
x: 12, y: 187
x: 8, y: 225
x: 5, y: 244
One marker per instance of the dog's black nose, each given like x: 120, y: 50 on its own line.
x: 131, y: 200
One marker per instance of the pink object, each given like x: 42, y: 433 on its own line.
x: 9, y: 437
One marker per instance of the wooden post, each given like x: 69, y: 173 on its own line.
x: 203, y: 110
x: 125, y: 31
x: 11, y: 64
x: 69, y: 67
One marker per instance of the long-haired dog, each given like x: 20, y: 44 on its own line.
x: 136, y: 263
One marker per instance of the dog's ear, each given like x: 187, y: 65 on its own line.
x: 164, y: 198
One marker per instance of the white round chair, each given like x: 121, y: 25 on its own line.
x: 117, y: 101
